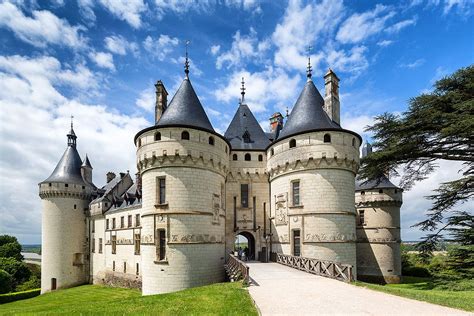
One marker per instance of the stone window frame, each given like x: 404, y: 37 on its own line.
x: 292, y: 204
x: 185, y: 135
x: 113, y: 243
x: 137, y: 220
x: 122, y: 221
x: 293, y: 243
x: 113, y: 223
x: 211, y: 140
x: 160, y: 244
x: 107, y: 224
x: 246, y: 204
x: 260, y: 157
x: 327, y: 138
x: 248, y: 157
x: 361, y: 218
x: 100, y: 245
x: 129, y: 220
x: 160, y: 199
x: 235, y: 157
x: 137, y: 243
x: 157, y: 136
x: 125, y: 267
x: 137, y: 271
x: 93, y: 245
x: 353, y: 142
x: 292, y: 143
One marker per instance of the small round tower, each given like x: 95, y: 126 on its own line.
x: 65, y: 198
x: 183, y: 163
x: 378, y: 229
x: 312, y: 166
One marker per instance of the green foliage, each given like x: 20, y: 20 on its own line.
x: 6, y: 282
x: 437, y: 126
x: 216, y: 299
x: 11, y: 250
x: 11, y: 297
x: 33, y: 283
x: 17, y: 269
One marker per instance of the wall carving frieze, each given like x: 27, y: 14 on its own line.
x: 337, y: 237
x: 379, y: 240
x: 375, y: 202
x: 281, y: 209
x: 197, y: 239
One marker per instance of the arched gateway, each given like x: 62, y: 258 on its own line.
x: 250, y: 243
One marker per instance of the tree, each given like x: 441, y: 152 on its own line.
x: 6, y: 282
x: 437, y: 126
x: 17, y: 269
x: 10, y: 247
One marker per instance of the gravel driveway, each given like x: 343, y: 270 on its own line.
x: 281, y: 290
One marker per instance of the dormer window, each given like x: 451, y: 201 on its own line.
x: 157, y: 136
x: 246, y: 137
x: 248, y: 157
x: 353, y: 142
x: 185, y: 135
x: 211, y: 140
x: 234, y: 157
x: 292, y: 143
x: 327, y: 138
x: 260, y: 157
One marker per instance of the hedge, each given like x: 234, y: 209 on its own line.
x: 16, y: 296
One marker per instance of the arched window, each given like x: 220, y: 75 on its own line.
x: 247, y: 157
x: 226, y: 149
x: 234, y: 157
x: 362, y: 193
x: 380, y: 191
x: 246, y: 137
x: 158, y: 136
x: 292, y: 143
x: 260, y: 157
x: 185, y: 135
x: 327, y: 138
x: 353, y: 142
x: 272, y: 152
x: 139, y: 142
x: 211, y: 140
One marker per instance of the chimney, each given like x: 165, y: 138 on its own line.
x: 161, y: 100
x: 276, y: 121
x: 110, y: 176
x: 332, y: 106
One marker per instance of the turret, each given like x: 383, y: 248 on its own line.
x: 378, y: 205
x: 86, y: 171
x: 65, y: 195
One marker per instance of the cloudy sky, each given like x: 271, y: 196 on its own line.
x: 98, y: 60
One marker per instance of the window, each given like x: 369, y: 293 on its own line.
x: 362, y: 192
x: 353, y: 142
x: 124, y: 267
x: 296, y: 243
x: 234, y: 157
x: 248, y: 157
x: 260, y: 157
x: 129, y: 220
x: 244, y: 195
x: 107, y: 223
x: 139, y: 142
x: 138, y: 269
x: 327, y: 138
x: 292, y: 143
x: 361, y: 218
x: 113, y: 265
x: 137, y: 244
x: 122, y: 222
x: 226, y: 149
x: 295, y: 191
x: 380, y: 191
x: 160, y: 244
x: 246, y: 137
x: 83, y: 187
x: 66, y: 185
x: 137, y: 220
x: 272, y: 152
x: 157, y: 136
x: 100, y: 245
x: 49, y: 184
x: 93, y: 225
x: 113, y: 223
x: 161, y: 194
x: 75, y: 206
x: 185, y: 135
x: 114, y: 244
x: 93, y: 245
x: 211, y: 140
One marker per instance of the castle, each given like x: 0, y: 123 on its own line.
x: 292, y: 191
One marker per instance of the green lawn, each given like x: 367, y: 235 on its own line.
x: 216, y: 299
x: 422, y: 289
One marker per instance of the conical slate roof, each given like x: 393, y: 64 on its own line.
x: 86, y: 162
x: 185, y: 109
x: 245, y: 123
x: 308, y: 113
x: 68, y: 169
x: 382, y: 183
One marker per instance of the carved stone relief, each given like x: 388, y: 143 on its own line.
x: 216, y: 206
x: 281, y: 210
x: 329, y: 237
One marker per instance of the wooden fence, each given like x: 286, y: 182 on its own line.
x: 334, y: 270
x: 237, y: 270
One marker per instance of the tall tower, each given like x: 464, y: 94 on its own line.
x: 65, y: 196
x: 332, y: 105
x: 183, y: 163
x: 378, y: 228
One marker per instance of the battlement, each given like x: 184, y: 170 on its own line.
x: 379, y: 197
x: 64, y: 190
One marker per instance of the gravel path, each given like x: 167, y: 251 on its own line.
x: 280, y: 290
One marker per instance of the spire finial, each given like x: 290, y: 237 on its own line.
x: 309, y: 69
x: 287, y: 112
x: 186, y: 62
x: 242, y: 91
x: 72, y: 123
x: 71, y: 136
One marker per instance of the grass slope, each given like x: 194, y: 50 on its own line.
x: 216, y: 299
x: 422, y: 289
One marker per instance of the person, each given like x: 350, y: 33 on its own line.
x: 246, y: 251
x: 244, y: 255
x: 240, y: 253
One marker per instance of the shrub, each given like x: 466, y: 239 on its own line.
x: 416, y: 271
x: 17, y: 269
x: 11, y: 297
x: 6, y: 282
x: 33, y: 283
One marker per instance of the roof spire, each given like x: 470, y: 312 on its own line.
x: 287, y: 114
x: 242, y: 91
x: 309, y: 69
x: 186, y: 62
x: 71, y: 137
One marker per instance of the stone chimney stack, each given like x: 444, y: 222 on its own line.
x: 332, y: 106
x: 110, y: 176
x: 161, y: 100
x: 276, y: 121
x: 138, y: 181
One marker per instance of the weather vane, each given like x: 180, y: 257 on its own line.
x: 72, y: 117
x: 309, y: 69
x: 242, y: 91
x: 186, y: 62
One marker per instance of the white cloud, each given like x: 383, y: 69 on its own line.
x: 30, y: 92
x: 215, y: 49
x: 146, y: 100
x: 86, y: 10
x: 203, y: 6
x: 352, y: 61
x: 461, y: 6
x: 357, y: 123
x: 161, y: 46
x: 42, y: 28
x: 103, y: 60
x: 119, y: 45
x: 127, y: 10
x: 397, y: 27
x: 360, y: 26
x: 243, y: 48
x: 385, y: 43
x: 417, y: 63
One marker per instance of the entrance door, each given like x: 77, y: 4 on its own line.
x: 53, y: 284
x: 245, y: 240
x: 296, y: 243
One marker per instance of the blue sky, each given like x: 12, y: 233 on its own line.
x: 98, y: 60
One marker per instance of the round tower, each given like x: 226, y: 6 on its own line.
x: 183, y: 163
x: 312, y: 166
x: 378, y: 229
x: 65, y: 198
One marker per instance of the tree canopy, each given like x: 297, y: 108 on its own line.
x: 438, y: 125
x: 10, y: 247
